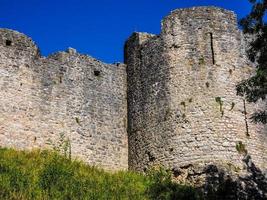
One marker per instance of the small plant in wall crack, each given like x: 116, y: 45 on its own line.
x: 232, y: 106
x: 201, y: 61
x: 220, y: 102
x: 183, y: 104
x: 241, y: 148
x: 78, y: 121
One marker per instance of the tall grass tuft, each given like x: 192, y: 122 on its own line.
x: 46, y: 175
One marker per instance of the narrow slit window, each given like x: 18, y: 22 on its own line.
x: 212, y: 48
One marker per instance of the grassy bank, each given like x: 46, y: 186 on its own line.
x: 47, y: 175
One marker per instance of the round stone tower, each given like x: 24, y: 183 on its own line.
x: 17, y: 46
x: 182, y: 103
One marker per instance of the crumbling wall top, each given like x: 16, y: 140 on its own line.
x: 71, y: 55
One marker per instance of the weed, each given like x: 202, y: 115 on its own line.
x: 201, y: 60
x: 220, y: 102
x: 78, y: 121
x: 241, y: 148
x: 232, y: 106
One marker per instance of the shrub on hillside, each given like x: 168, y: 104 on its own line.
x: 163, y: 188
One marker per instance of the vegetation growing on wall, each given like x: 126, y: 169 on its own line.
x: 241, y: 148
x: 220, y: 102
x: 77, y: 120
x: 201, y: 61
x: 232, y: 106
x: 255, y: 88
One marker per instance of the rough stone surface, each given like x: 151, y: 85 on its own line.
x: 182, y: 103
x: 67, y: 101
x: 180, y: 87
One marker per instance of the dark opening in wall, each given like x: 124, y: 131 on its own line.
x: 212, y: 48
x: 151, y: 157
x: 8, y: 42
x: 96, y: 72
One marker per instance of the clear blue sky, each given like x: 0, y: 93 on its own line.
x: 95, y: 27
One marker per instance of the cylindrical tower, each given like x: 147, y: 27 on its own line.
x: 182, y: 103
x: 17, y: 46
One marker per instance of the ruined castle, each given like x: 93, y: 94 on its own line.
x: 172, y: 103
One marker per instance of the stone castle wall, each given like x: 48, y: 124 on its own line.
x: 64, y: 98
x: 174, y: 104
x: 182, y: 103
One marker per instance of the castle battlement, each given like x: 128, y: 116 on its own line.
x: 172, y: 103
x: 65, y: 98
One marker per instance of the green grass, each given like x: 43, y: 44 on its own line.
x: 46, y: 175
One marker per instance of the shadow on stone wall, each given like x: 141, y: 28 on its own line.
x: 220, y: 185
